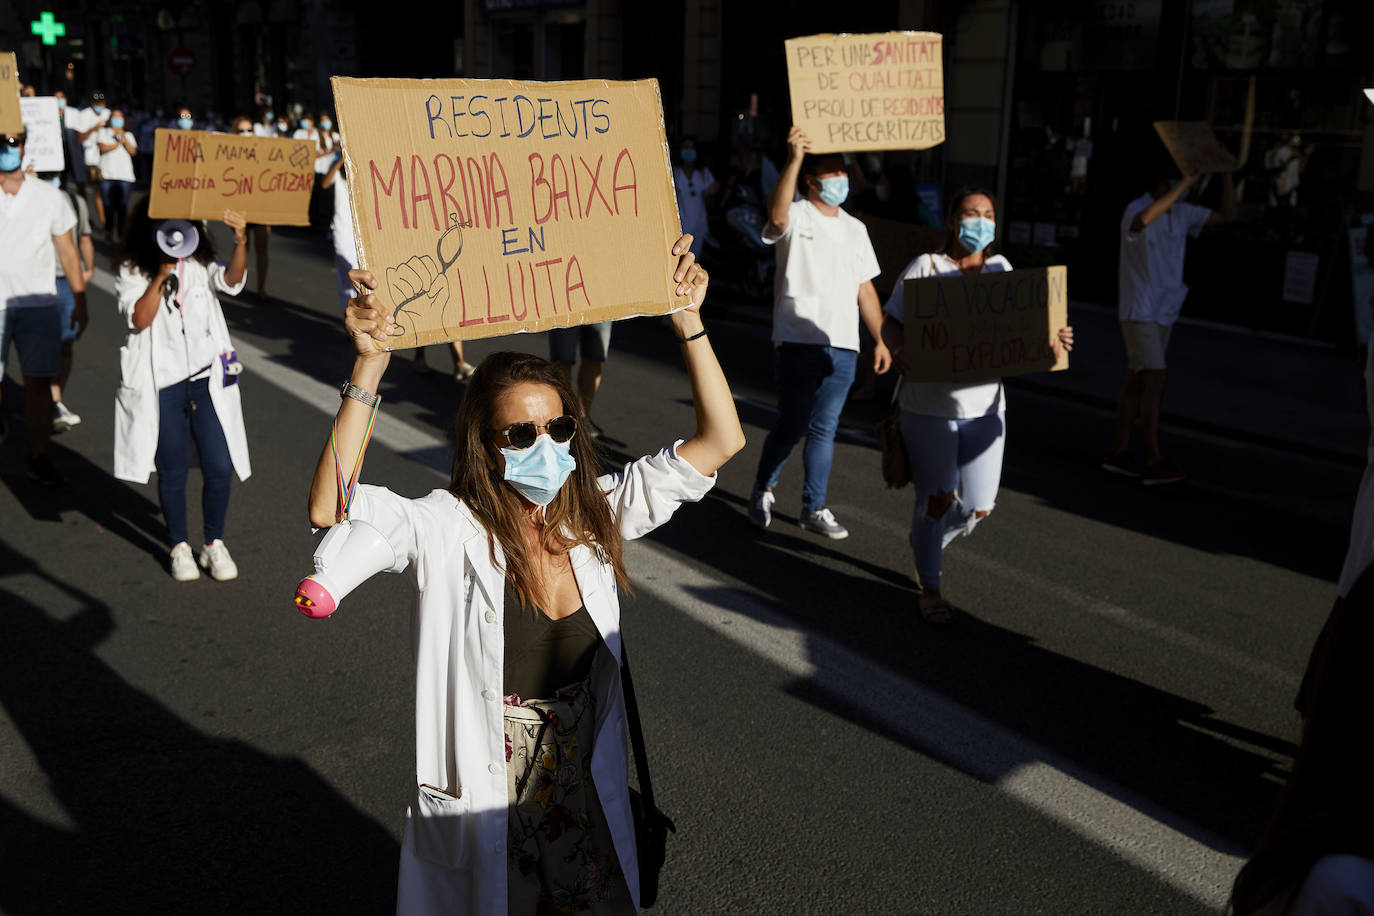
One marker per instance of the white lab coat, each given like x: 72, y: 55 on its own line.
x: 453, y: 851
x: 136, y: 403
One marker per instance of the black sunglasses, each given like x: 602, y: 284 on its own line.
x: 522, y: 435
x: 15, y: 140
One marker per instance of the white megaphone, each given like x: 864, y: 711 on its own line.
x: 351, y: 552
x: 178, y: 238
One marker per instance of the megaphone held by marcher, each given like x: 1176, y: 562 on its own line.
x: 178, y: 238
x: 350, y: 553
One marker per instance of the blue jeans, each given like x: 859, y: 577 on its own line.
x: 115, y: 196
x: 186, y: 412
x: 813, y: 383
x: 948, y: 455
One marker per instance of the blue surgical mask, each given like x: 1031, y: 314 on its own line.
x: 539, y: 472
x: 99, y: 109
x: 689, y: 156
x: 306, y: 125
x: 281, y: 127
x: 10, y: 158
x: 327, y: 124
x: 116, y: 121
x: 977, y: 233
x: 61, y: 103
x: 185, y: 123
x: 835, y: 189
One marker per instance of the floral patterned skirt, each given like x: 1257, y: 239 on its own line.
x: 560, y: 855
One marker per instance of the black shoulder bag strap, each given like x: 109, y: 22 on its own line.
x: 651, y: 825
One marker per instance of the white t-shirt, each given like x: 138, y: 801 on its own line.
x: 691, y: 198
x: 85, y: 119
x: 264, y: 130
x: 324, y: 150
x: 117, y: 164
x: 945, y: 399
x: 342, y: 227
x: 184, y: 344
x: 1151, y: 281
x: 28, y: 259
x: 822, y: 262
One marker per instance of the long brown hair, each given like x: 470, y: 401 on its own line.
x: 580, y: 515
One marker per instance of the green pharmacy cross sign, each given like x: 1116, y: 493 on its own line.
x: 46, y: 26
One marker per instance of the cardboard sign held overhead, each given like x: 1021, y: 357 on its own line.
x: 1195, y: 147
x: 198, y: 173
x: 43, y: 128
x: 974, y: 328
x: 868, y: 92
x: 488, y: 207
x: 11, y: 120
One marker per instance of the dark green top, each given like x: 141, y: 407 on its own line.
x: 543, y: 655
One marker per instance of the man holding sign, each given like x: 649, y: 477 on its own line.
x: 823, y: 286
x: 1155, y: 229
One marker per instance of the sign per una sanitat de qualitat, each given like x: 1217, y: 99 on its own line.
x: 868, y: 92
x: 488, y: 207
x: 984, y: 326
x: 198, y: 174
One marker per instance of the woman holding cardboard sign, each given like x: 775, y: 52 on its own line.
x: 521, y: 800
x: 954, y: 433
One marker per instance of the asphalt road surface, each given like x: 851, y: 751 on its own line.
x: 1101, y: 731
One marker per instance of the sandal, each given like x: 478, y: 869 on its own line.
x: 939, y: 613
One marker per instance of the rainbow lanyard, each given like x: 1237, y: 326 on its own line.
x: 349, y: 488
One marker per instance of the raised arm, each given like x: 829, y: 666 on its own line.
x: 719, y: 435
x: 780, y: 201
x: 238, y: 262
x: 1161, y: 206
x: 367, y: 322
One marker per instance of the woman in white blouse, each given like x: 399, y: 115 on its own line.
x: 954, y: 433
x: 521, y: 800
x: 118, y: 147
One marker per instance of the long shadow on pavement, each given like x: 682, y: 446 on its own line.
x: 1155, y: 745
x: 166, y: 818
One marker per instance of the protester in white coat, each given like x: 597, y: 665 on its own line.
x: 178, y: 381
x: 526, y: 540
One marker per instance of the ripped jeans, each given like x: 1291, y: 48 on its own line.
x: 948, y: 455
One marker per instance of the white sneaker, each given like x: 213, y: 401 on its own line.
x: 62, y: 418
x: 183, y: 564
x: 215, y: 557
x: 822, y: 521
x: 761, y: 507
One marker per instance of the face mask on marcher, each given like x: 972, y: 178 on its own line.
x: 689, y: 156
x: 977, y: 233
x: 539, y: 472
x: 116, y: 121
x: 835, y: 189
x: 327, y: 124
x: 185, y: 123
x: 10, y: 158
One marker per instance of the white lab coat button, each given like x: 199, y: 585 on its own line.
x: 488, y: 694
x: 494, y: 769
x: 491, y: 616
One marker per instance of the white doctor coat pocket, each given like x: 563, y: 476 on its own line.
x: 439, y: 825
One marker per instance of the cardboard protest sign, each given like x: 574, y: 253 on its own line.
x: 489, y: 207
x: 896, y: 243
x: 43, y: 126
x: 1369, y: 94
x: 11, y: 120
x: 868, y: 92
x: 974, y: 328
x: 1195, y: 147
x: 198, y: 173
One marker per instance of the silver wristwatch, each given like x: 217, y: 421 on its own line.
x: 350, y: 390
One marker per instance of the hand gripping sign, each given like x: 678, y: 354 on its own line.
x: 490, y: 207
